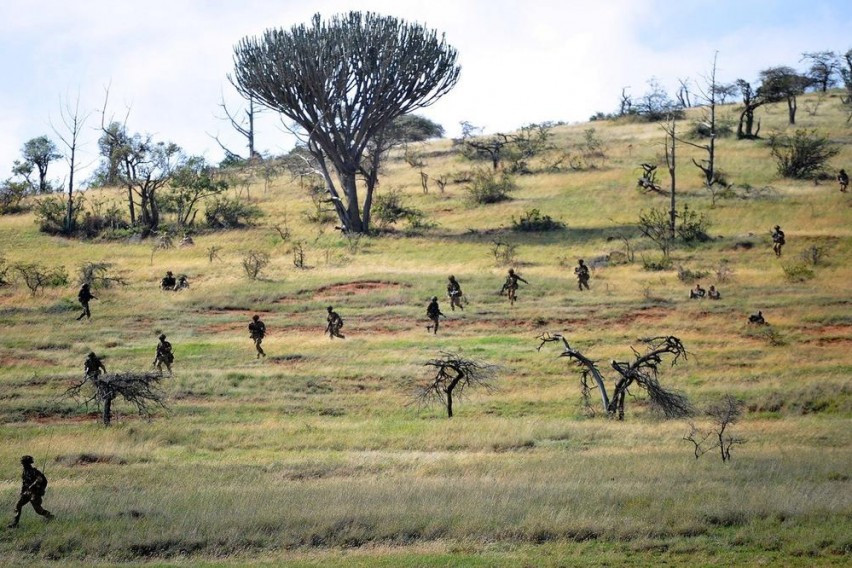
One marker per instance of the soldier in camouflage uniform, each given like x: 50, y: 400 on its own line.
x: 778, y: 240
x: 510, y: 286
x: 164, y: 355
x: 433, y: 312
x: 257, y: 331
x: 33, y: 486
x: 843, y: 180
x: 454, y: 293
x: 582, y: 272
x: 335, y: 323
x: 168, y: 282
x: 85, y: 296
x: 93, y: 366
x: 182, y: 283
x: 714, y: 294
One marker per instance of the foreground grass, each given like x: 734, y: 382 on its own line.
x: 315, y: 456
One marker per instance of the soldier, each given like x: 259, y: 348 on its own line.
x: 757, y: 319
x: 454, y: 293
x: 697, y: 293
x: 433, y: 312
x: 582, y: 272
x: 182, y: 283
x: 714, y: 294
x: 510, y: 286
x: 33, y: 486
x: 93, y: 366
x: 164, y: 355
x: 778, y: 240
x: 843, y: 180
x: 335, y: 323
x: 85, y: 296
x: 257, y: 331
x: 168, y: 282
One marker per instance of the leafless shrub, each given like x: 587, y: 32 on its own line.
x: 503, y: 252
x: 723, y: 271
x: 213, y: 253
x: 454, y: 375
x: 38, y: 277
x: 97, y: 275
x: 814, y: 255
x: 142, y: 390
x: 722, y: 414
x: 298, y: 250
x: 642, y: 371
x: 254, y: 262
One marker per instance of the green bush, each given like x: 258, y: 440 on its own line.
x: 488, y: 186
x: 802, y: 155
x: 389, y: 208
x: 692, y: 226
x: 226, y: 213
x: 798, y: 272
x: 533, y: 221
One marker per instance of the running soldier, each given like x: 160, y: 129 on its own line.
x: 93, y: 367
x: 582, y: 272
x: 168, y: 282
x: 454, y: 293
x: 257, y: 331
x: 778, y: 240
x: 33, y: 486
x: 843, y: 180
x: 433, y: 312
x: 164, y: 355
x: 510, y: 286
x: 84, y: 296
x: 335, y: 323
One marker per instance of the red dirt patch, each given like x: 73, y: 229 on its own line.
x: 644, y: 314
x: 357, y: 287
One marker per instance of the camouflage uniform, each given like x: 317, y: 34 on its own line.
x: 510, y: 287
x: 757, y: 319
x: 93, y: 366
x: 697, y: 293
x: 335, y: 323
x: 714, y: 294
x: 164, y: 355
x: 257, y: 331
x: 778, y: 240
x: 168, y: 282
x: 454, y: 293
x: 843, y: 180
x: 33, y: 486
x: 182, y: 283
x: 582, y: 272
x: 433, y: 312
x: 85, y: 296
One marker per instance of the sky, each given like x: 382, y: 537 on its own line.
x: 166, y: 63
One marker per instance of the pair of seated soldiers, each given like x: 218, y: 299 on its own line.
x: 169, y: 282
x: 698, y: 292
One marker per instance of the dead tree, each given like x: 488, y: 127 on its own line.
x: 142, y: 390
x: 648, y: 181
x: 671, y: 165
x: 454, y: 375
x: 244, y: 125
x: 722, y: 414
x: 69, y: 133
x: 642, y: 371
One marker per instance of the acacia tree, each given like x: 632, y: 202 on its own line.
x: 642, y: 371
x: 343, y: 81
x: 784, y: 83
x: 752, y: 99
x: 823, y: 69
x: 142, y: 390
x: 454, y: 375
x: 36, y: 154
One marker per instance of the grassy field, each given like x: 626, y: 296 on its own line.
x: 315, y: 456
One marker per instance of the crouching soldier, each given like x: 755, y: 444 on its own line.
x: 433, y: 312
x: 756, y: 319
x: 335, y: 324
x: 33, y: 486
x: 714, y: 294
x: 93, y: 366
x: 454, y: 293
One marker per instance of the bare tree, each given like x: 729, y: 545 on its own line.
x: 38, y: 277
x: 68, y: 132
x: 671, y: 164
x: 142, y: 390
x: 752, y: 99
x: 454, y: 375
x: 254, y: 262
x: 242, y: 120
x: 723, y: 414
x: 342, y: 81
x: 642, y: 371
x: 625, y: 104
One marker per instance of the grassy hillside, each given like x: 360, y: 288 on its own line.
x: 314, y: 456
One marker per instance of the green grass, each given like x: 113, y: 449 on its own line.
x: 316, y: 456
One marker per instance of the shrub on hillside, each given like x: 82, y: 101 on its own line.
x: 799, y: 272
x: 692, y: 226
x: 390, y: 208
x: 227, y: 213
x: 802, y: 155
x: 533, y: 221
x: 487, y: 186
x: 12, y: 194
x: 36, y: 276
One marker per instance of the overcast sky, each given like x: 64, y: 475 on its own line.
x: 522, y: 61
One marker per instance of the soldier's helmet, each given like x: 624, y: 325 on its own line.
x: 329, y: 308
x: 168, y: 273
x: 434, y: 298
x: 452, y: 277
x: 581, y: 261
x: 255, y: 317
x: 163, y: 336
x: 511, y: 271
x: 27, y: 460
x: 92, y: 355
x: 777, y: 227
x: 86, y: 285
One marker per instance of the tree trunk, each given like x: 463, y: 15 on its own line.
x: 449, y: 403
x: 107, y: 411
x: 350, y: 189
x: 69, y: 214
x: 791, y: 108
